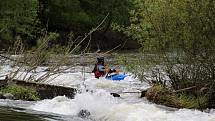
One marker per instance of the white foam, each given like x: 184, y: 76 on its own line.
x: 59, y: 105
x: 89, y: 101
x: 102, y: 107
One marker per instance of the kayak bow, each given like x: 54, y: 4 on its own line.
x: 116, y: 77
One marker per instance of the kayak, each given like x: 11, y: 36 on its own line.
x: 116, y: 77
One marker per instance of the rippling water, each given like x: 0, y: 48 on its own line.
x: 20, y: 114
x: 10, y: 114
x: 16, y: 110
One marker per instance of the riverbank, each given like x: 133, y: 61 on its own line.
x: 34, y: 91
x: 159, y: 94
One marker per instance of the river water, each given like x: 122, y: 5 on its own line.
x: 96, y: 100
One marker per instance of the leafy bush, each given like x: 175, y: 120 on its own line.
x: 183, y: 33
x: 20, y: 92
x: 192, y: 101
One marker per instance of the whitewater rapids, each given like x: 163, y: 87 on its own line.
x: 103, y: 106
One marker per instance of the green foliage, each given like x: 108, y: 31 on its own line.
x: 48, y: 40
x: 22, y: 93
x: 171, y: 25
x: 98, y: 9
x: 193, y: 102
x: 182, y: 32
x: 65, y: 13
x: 52, y: 44
x: 31, y: 19
x: 84, y: 14
x: 18, y: 17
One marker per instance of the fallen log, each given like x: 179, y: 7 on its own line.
x: 184, y: 89
x: 45, y: 91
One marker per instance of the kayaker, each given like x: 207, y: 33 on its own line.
x: 101, y: 69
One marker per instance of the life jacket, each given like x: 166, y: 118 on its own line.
x: 97, y: 72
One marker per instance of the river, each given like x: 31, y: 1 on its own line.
x: 94, y: 97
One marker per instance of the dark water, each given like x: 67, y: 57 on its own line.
x: 18, y: 114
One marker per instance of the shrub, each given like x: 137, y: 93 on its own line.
x: 20, y: 92
x: 161, y: 95
x: 191, y: 102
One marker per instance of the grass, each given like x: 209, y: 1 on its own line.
x: 193, y: 102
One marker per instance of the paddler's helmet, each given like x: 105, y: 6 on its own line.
x: 100, y: 59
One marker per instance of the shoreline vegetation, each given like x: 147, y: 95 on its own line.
x: 32, y: 91
x: 151, y: 68
x: 19, y: 93
x: 161, y: 95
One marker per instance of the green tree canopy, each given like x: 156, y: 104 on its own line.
x: 18, y: 17
x: 71, y: 14
x: 169, y: 25
x: 65, y: 14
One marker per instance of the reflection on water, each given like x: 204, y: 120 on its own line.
x: 20, y: 114
x: 10, y: 114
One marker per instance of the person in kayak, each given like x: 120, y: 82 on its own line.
x: 101, y: 69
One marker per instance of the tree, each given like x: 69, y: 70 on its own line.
x: 18, y: 18
x: 183, y: 32
x: 167, y: 24
x: 80, y: 16
x: 64, y: 14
